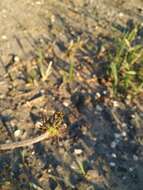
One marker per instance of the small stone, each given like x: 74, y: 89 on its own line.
x: 3, y: 37
x: 135, y: 157
x: 114, y: 155
x: 42, y: 92
x: 131, y: 169
x: 121, y: 14
x: 124, y: 124
x: 52, y: 18
x: 112, y: 164
x: 49, y: 170
x: 33, y: 152
x: 132, y: 116
x: 18, y: 133
x: 99, y: 108
x: 16, y: 59
x: 73, y: 166
x: 124, y: 177
x: 115, y: 104
x: 124, y: 134
x: 117, y: 135
x: 105, y: 92
x: 38, y: 2
x: 38, y: 124
x: 113, y: 144
x: 98, y: 95
x: 66, y: 103
x: 78, y: 151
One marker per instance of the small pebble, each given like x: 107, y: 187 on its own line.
x: 121, y: 14
x: 66, y: 103
x: 132, y: 116
x: 3, y: 37
x: 114, y: 155
x: 98, y: 95
x: 38, y: 2
x: 98, y: 108
x: 124, y: 177
x: 18, y: 133
x: 113, y: 144
x: 78, y: 151
x: 112, y: 164
x: 135, y: 157
x: 117, y: 135
x: 124, y: 124
x: 124, y: 134
x: 105, y: 92
x: 73, y: 166
x: 38, y: 124
x: 42, y: 92
x: 52, y: 18
x: 115, y: 104
x: 131, y: 169
x: 33, y: 152
x: 16, y: 59
x: 49, y: 170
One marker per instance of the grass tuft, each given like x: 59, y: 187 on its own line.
x: 126, y: 65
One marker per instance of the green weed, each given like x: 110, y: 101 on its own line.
x: 126, y: 65
x: 73, y: 48
x: 37, y: 70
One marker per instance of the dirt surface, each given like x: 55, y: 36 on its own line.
x: 102, y: 149
x: 24, y: 22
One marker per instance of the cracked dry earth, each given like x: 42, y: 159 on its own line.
x: 103, y: 149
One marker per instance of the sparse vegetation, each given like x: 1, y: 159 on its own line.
x: 44, y: 69
x: 70, y: 96
x: 126, y: 64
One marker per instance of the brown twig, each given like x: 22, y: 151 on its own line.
x: 28, y: 142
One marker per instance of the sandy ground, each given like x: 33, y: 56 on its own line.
x: 26, y: 25
x: 23, y: 22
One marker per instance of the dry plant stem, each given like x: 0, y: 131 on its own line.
x: 115, y: 117
x: 28, y: 142
x: 139, y: 106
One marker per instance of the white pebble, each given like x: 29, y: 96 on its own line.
x: 112, y: 164
x: 16, y: 59
x: 117, y: 135
x: 98, y: 95
x: 33, y: 152
x: 115, y: 104
x: 124, y: 134
x: 3, y: 37
x: 121, y: 14
x: 124, y: 124
x: 133, y: 116
x: 78, y: 151
x: 135, y: 157
x: 18, y: 133
x: 38, y: 2
x: 38, y: 124
x: 131, y: 169
x: 66, y: 103
x: 53, y: 19
x: 105, y: 92
x: 113, y: 144
x: 114, y: 155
